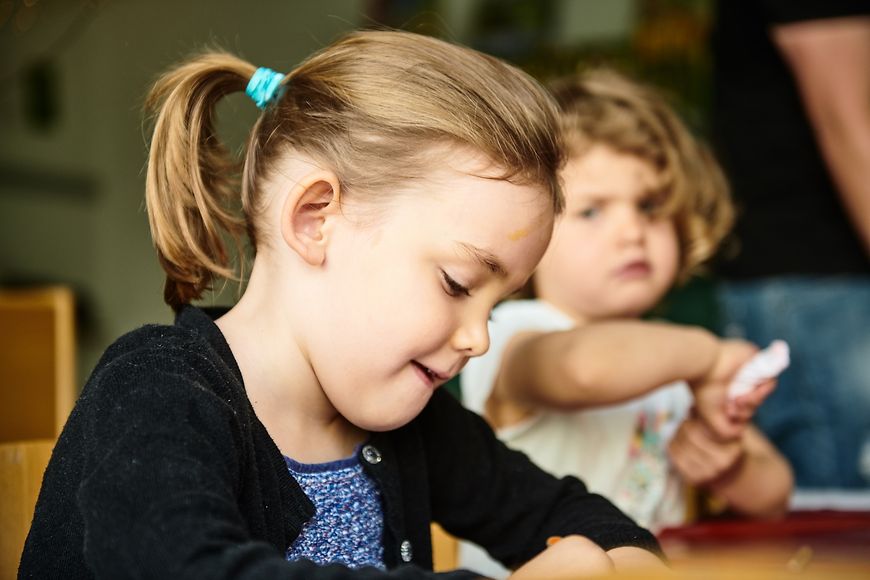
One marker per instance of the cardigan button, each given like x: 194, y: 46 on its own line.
x: 371, y: 454
x: 405, y: 551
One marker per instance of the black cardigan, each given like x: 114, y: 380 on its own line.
x: 164, y: 471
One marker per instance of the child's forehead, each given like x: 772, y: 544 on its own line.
x: 601, y: 165
x: 612, y: 146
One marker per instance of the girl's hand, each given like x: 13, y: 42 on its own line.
x: 700, y: 457
x: 742, y: 408
x: 727, y: 418
x: 569, y: 557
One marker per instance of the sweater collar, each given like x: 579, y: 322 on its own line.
x: 201, y: 321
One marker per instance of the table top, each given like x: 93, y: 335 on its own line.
x: 821, y: 543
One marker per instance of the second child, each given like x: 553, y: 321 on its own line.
x: 574, y: 378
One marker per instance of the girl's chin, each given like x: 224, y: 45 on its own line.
x: 627, y: 305
x: 381, y: 426
x: 636, y: 306
x: 389, y: 421
x: 632, y: 310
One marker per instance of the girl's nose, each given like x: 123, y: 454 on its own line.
x: 630, y: 226
x: 472, y: 336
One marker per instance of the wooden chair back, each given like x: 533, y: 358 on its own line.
x: 37, y: 392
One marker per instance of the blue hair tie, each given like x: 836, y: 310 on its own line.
x: 264, y: 86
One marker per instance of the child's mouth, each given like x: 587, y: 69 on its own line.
x: 431, y: 376
x: 636, y: 269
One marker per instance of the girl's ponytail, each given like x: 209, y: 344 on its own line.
x: 191, y: 189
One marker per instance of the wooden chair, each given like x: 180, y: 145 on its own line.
x: 445, y: 550
x: 37, y: 392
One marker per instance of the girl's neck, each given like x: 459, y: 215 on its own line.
x: 281, y: 385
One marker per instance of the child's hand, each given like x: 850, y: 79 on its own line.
x: 726, y: 418
x: 700, y: 457
x: 569, y: 557
x: 742, y: 408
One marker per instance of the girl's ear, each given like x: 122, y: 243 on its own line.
x: 306, y: 213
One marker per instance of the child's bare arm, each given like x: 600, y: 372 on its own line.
x: 609, y: 362
x: 748, y: 472
x: 570, y: 557
x: 763, y: 484
x: 577, y: 557
x: 602, y: 363
x: 631, y: 558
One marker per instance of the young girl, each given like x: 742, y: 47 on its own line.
x: 395, y: 188
x: 645, y: 205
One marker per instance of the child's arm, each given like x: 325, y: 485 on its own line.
x: 569, y: 557
x: 602, y: 363
x: 609, y: 362
x: 748, y: 472
x: 576, y: 557
x: 628, y: 558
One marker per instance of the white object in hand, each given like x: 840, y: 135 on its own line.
x: 766, y: 364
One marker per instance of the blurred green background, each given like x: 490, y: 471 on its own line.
x: 73, y: 75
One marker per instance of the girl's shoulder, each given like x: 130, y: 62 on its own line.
x: 153, y: 347
x: 184, y: 355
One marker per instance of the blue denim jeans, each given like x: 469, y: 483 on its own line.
x: 819, y: 414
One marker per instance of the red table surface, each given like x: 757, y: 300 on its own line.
x: 827, y: 532
x: 805, y: 524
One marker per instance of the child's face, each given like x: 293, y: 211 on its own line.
x: 610, y: 256
x: 407, y: 300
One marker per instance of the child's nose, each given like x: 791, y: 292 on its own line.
x: 472, y: 336
x: 630, y: 226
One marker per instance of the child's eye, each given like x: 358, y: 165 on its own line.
x: 454, y: 288
x: 589, y: 213
x: 651, y: 205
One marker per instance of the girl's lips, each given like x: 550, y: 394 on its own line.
x: 633, y: 270
x: 430, y: 377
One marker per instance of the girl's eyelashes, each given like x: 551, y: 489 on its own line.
x: 454, y: 288
x: 649, y: 206
x: 589, y: 212
x: 652, y: 204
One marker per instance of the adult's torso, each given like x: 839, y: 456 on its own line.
x: 791, y: 220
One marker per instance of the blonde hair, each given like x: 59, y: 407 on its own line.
x: 603, y: 107
x: 372, y: 107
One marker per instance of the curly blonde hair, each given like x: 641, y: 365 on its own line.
x: 603, y: 107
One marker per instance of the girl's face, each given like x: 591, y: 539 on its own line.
x: 610, y: 255
x: 405, y: 301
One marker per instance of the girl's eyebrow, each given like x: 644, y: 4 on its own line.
x: 603, y: 195
x: 595, y: 197
x: 486, y: 259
